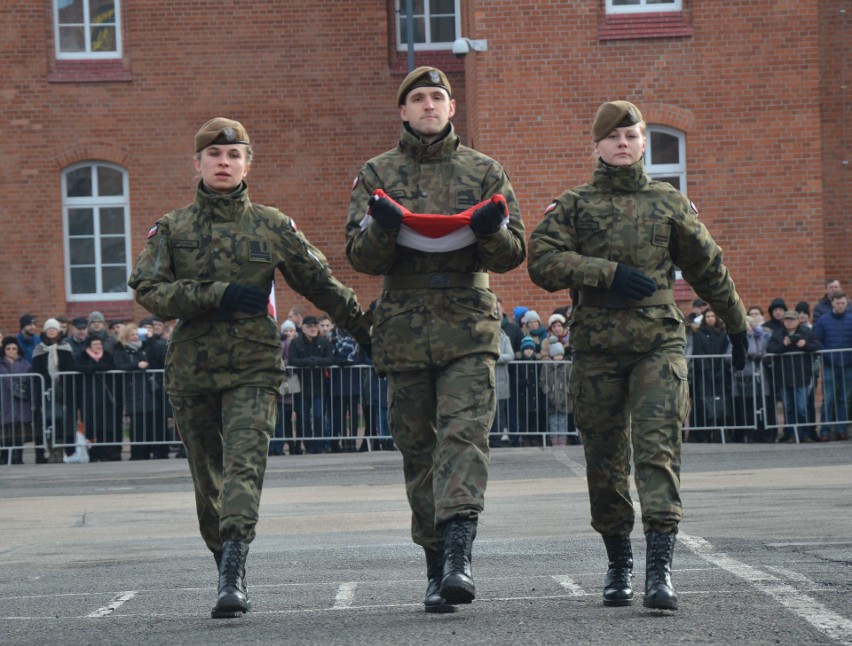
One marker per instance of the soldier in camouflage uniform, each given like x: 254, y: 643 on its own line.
x: 437, y: 325
x: 615, y: 243
x: 211, y: 265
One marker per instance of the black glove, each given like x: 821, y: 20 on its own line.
x: 739, y: 349
x: 488, y: 218
x: 385, y: 212
x: 632, y: 283
x: 243, y: 298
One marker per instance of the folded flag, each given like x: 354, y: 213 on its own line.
x: 435, y: 232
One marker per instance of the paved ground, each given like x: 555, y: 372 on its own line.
x: 108, y: 553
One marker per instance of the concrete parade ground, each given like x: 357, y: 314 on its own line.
x: 109, y: 553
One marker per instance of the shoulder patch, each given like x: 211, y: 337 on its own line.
x: 550, y: 207
x: 153, y: 231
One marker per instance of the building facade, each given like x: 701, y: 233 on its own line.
x: 746, y: 103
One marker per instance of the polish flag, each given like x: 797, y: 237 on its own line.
x: 435, y: 232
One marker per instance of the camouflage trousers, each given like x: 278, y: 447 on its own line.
x: 439, y: 418
x: 226, y: 435
x: 637, y: 401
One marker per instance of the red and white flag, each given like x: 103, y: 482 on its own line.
x: 434, y: 232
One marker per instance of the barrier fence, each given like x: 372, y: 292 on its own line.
x: 795, y: 396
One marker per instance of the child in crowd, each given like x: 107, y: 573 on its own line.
x: 553, y: 382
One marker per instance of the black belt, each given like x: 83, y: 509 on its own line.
x: 436, y: 280
x: 223, y: 315
x: 614, y: 301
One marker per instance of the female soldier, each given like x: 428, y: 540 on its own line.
x: 210, y: 265
x: 617, y: 241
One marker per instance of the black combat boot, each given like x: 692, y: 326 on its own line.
x: 659, y: 592
x: 457, y: 586
x: 618, y: 585
x: 233, y: 595
x: 434, y: 602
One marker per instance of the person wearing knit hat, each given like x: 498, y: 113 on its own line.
x: 53, y: 359
x: 531, y: 315
x: 553, y: 382
x: 223, y: 360
x: 555, y: 349
x: 618, y: 257
x: 775, y: 320
x: 28, y: 336
x: 555, y: 318
x: 527, y: 343
x: 288, y: 325
x: 518, y: 312
x: 432, y: 184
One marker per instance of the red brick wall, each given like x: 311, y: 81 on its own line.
x: 315, y: 88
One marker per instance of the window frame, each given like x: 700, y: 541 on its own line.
x: 96, y: 203
x: 429, y: 45
x: 643, y: 7
x: 87, y: 27
x: 655, y: 171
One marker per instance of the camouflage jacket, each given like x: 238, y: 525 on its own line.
x: 416, y: 328
x: 191, y: 256
x: 623, y: 216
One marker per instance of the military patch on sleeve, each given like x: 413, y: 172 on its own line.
x: 693, y: 207
x: 153, y: 231
x: 550, y: 207
x: 259, y: 251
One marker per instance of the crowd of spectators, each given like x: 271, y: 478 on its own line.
x: 103, y: 383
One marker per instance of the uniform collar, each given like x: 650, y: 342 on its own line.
x: 620, y: 179
x: 222, y: 206
x: 411, y: 144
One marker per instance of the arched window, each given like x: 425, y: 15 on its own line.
x: 95, y: 225
x: 665, y: 156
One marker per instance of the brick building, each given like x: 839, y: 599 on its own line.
x: 746, y: 101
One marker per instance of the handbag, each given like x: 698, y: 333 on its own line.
x: 291, y: 384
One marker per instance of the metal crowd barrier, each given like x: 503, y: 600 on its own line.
x: 345, y: 408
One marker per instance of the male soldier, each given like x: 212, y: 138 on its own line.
x: 211, y: 265
x: 438, y: 326
x: 617, y: 241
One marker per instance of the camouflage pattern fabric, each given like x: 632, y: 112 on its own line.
x: 437, y: 346
x: 191, y: 256
x: 227, y: 438
x: 628, y: 379
x: 223, y: 369
x: 440, y: 422
x: 639, y: 401
x: 419, y: 328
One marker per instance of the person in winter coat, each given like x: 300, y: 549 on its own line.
x: 142, y: 398
x: 16, y: 393
x: 53, y: 359
x: 834, y: 332
x: 710, y: 376
x: 553, y: 382
x: 102, y: 393
x: 793, y: 374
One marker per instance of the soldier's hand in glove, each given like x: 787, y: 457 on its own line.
x: 487, y: 219
x: 739, y: 349
x: 632, y: 283
x: 243, y: 298
x: 385, y: 212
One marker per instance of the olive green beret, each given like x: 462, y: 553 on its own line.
x: 612, y: 115
x: 221, y: 131
x: 422, y: 77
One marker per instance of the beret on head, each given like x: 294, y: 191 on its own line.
x: 612, y: 115
x: 220, y: 131
x: 422, y: 77
x: 527, y: 343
